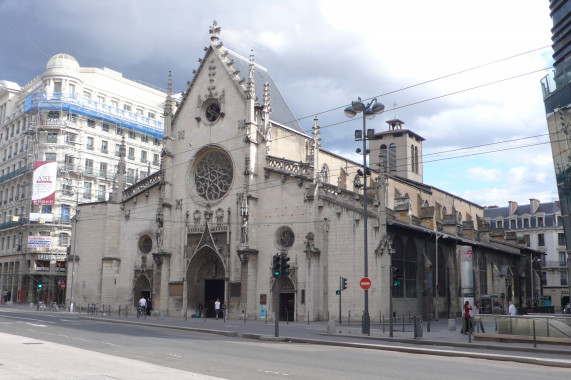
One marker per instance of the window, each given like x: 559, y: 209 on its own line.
x: 115, y: 103
x: 87, y: 94
x: 65, y: 212
x: 72, y: 117
x: 105, y: 127
x: 69, y: 162
x: 131, y: 176
x: 499, y: 224
x: 540, y: 221
x: 561, y: 238
x: 51, y: 137
x: 88, y: 166
x: 119, y: 131
x: 526, y: 223
x: 562, y: 260
x: 156, y: 141
x: 90, y: 143
x: 117, y: 150
x: 101, y: 193
x: 512, y: 224
x: 151, y: 115
x: 563, y: 277
x: 91, y: 123
x: 131, y: 134
x: 527, y: 240
x: 144, y: 156
x: 66, y: 186
x: 559, y: 220
x: 104, y: 146
x: 57, y: 87
x: 127, y: 107
x: 155, y: 159
x: 131, y: 155
x: 72, y: 89
x: 101, y: 99
x: 103, y: 169
x: 46, y: 209
x: 63, y: 239
x: 87, y: 190
x: 541, y: 240
x: 392, y: 158
x: 70, y: 138
x: 139, y: 111
x: 144, y: 138
x: 51, y: 156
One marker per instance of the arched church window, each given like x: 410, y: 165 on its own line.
x: 412, y: 158
x: 392, y: 158
x: 212, y: 111
x: 325, y: 174
x: 416, y: 159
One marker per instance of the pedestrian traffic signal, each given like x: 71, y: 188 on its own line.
x: 285, y: 266
x: 276, y: 265
x: 343, y: 283
x: 396, y: 276
x: 338, y: 292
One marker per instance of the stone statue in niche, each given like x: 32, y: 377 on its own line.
x: 310, y: 244
x: 160, y: 238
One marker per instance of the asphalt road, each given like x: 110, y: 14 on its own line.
x: 67, y: 346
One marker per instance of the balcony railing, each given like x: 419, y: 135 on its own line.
x: 555, y: 264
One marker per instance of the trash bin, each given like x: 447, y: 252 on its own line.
x: 417, y: 326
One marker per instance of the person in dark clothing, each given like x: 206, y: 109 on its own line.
x: 149, y: 306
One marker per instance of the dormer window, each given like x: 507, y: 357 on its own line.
x: 540, y: 221
x: 499, y: 224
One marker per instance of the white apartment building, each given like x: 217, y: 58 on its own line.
x: 540, y: 226
x: 77, y: 117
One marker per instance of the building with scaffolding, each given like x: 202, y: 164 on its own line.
x: 78, y: 117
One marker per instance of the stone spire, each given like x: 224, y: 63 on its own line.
x: 121, y: 173
x: 214, y: 30
x: 251, y: 128
x: 251, y: 91
x: 266, y: 111
x: 316, y: 144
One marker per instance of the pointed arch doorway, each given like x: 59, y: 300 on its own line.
x: 142, y: 288
x: 286, y: 291
x: 206, y: 280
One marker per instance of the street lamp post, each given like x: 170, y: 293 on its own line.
x: 71, y: 308
x: 369, y: 112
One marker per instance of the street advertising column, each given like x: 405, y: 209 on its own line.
x: 466, y: 274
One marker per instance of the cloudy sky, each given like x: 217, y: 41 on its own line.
x: 463, y: 74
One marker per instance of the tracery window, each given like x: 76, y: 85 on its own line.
x: 213, y: 175
x: 212, y: 112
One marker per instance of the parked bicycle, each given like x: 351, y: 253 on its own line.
x: 142, y: 311
x: 42, y: 306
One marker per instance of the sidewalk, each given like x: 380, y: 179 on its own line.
x: 439, y: 341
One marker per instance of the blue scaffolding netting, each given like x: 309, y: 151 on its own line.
x: 90, y: 108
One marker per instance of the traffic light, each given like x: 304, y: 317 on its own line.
x: 285, y: 266
x: 343, y: 283
x: 396, y: 276
x: 337, y: 292
x: 276, y: 265
x: 39, y: 285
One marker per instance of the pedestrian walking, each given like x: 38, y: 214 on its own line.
x: 511, y: 309
x: 467, y: 318
x: 217, y: 307
x: 149, y: 306
x: 223, y: 309
x: 478, y: 311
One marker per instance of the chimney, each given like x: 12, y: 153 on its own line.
x: 512, y: 207
x: 533, y: 205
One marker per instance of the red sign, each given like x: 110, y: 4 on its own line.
x: 59, y: 282
x: 365, y: 283
x: 469, y: 253
x: 63, y: 286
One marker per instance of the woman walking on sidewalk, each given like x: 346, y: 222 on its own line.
x: 467, y: 320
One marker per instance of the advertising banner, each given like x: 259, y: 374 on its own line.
x: 39, y: 241
x: 44, y: 183
x: 466, y: 271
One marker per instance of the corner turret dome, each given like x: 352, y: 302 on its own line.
x: 62, y: 61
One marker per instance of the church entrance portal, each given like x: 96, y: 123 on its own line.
x: 287, y: 307
x: 205, y: 278
x: 142, y: 289
x: 213, y: 289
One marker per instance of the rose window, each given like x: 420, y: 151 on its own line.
x: 212, y: 112
x: 213, y: 175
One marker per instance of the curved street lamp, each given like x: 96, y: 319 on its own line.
x: 369, y: 112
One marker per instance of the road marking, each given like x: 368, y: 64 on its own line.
x: 35, y: 325
x: 272, y: 372
x: 173, y: 355
x: 27, y: 319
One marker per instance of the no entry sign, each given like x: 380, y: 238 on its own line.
x: 365, y: 283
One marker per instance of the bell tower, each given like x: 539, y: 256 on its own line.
x: 397, y: 151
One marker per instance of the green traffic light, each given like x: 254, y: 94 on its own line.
x: 40, y: 285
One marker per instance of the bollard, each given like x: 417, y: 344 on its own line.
x: 534, y: 338
x: 349, y: 317
x: 383, y: 324
x: 287, y: 317
x: 469, y: 335
x: 266, y: 317
x: 308, y: 318
x: 119, y: 310
x: 245, y: 313
x: 403, y: 323
x: 547, y: 326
